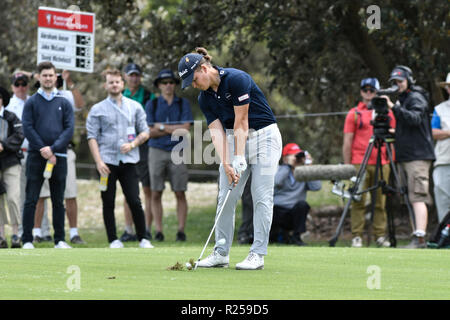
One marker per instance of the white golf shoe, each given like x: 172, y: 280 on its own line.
x: 357, y: 242
x: 28, y: 245
x: 253, y: 261
x: 214, y: 260
x: 62, y: 245
x: 116, y: 244
x: 146, y: 244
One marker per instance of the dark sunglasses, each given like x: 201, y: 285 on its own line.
x: 20, y: 84
x: 369, y: 90
x: 167, y: 82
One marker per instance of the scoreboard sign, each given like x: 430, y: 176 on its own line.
x: 66, y: 38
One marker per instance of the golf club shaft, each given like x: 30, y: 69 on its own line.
x: 215, y: 223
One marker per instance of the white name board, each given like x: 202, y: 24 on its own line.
x: 66, y: 38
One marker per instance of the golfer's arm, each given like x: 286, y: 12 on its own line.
x: 240, y: 129
x: 219, y: 140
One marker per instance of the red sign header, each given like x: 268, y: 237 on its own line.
x: 66, y: 20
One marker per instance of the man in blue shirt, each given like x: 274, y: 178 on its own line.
x: 167, y: 116
x: 116, y: 126
x: 48, y: 124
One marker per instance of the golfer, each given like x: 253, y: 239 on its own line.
x: 246, y: 138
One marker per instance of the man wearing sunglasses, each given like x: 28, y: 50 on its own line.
x: 167, y: 116
x: 357, y: 133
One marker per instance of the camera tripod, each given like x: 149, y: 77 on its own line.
x: 377, y: 141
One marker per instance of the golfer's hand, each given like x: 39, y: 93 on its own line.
x: 239, y: 164
x: 102, y: 168
x: 231, y: 174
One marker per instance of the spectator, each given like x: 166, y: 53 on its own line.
x: 357, y: 134
x: 20, y: 84
x: 48, y: 124
x: 137, y: 92
x: 413, y: 147
x: 74, y: 96
x: 115, y: 127
x: 11, y: 138
x: 243, y: 130
x: 290, y: 208
x: 440, y: 124
x: 165, y: 115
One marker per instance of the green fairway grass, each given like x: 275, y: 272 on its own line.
x: 290, y: 273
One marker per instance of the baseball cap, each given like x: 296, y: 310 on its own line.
x: 165, y: 74
x: 4, y: 94
x: 186, y: 67
x: 19, y: 76
x: 132, y: 68
x: 291, y: 148
x: 398, y: 74
x: 373, y: 82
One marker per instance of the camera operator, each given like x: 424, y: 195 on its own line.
x: 290, y: 207
x: 413, y: 146
x: 358, y: 130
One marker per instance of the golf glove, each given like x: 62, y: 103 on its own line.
x: 239, y: 164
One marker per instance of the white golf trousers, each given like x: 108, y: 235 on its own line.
x: 262, y: 153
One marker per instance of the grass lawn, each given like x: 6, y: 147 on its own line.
x: 290, y: 273
x: 93, y: 271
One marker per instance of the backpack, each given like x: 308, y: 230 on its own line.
x: 436, y: 235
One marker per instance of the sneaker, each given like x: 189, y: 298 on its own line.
x: 47, y: 238
x: 416, y: 243
x: 116, y: 244
x: 357, y: 242
x: 181, y: 236
x: 62, y: 245
x: 382, y: 242
x: 15, y: 241
x: 28, y: 245
x: 159, y: 236
x: 3, y: 243
x: 37, y: 239
x: 145, y: 244
x: 77, y: 240
x: 125, y: 237
x: 297, y: 240
x: 253, y: 261
x: 148, y: 235
x: 214, y: 260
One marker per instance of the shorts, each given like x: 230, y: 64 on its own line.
x: 161, y: 167
x: 415, y: 175
x: 142, y: 166
x: 71, y: 179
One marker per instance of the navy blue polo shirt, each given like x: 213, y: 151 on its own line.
x: 236, y: 88
x: 177, y: 113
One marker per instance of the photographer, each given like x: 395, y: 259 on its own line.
x: 358, y: 130
x: 290, y: 207
x: 413, y: 146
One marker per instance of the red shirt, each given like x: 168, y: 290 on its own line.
x: 363, y: 131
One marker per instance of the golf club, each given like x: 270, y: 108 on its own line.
x: 215, y: 223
